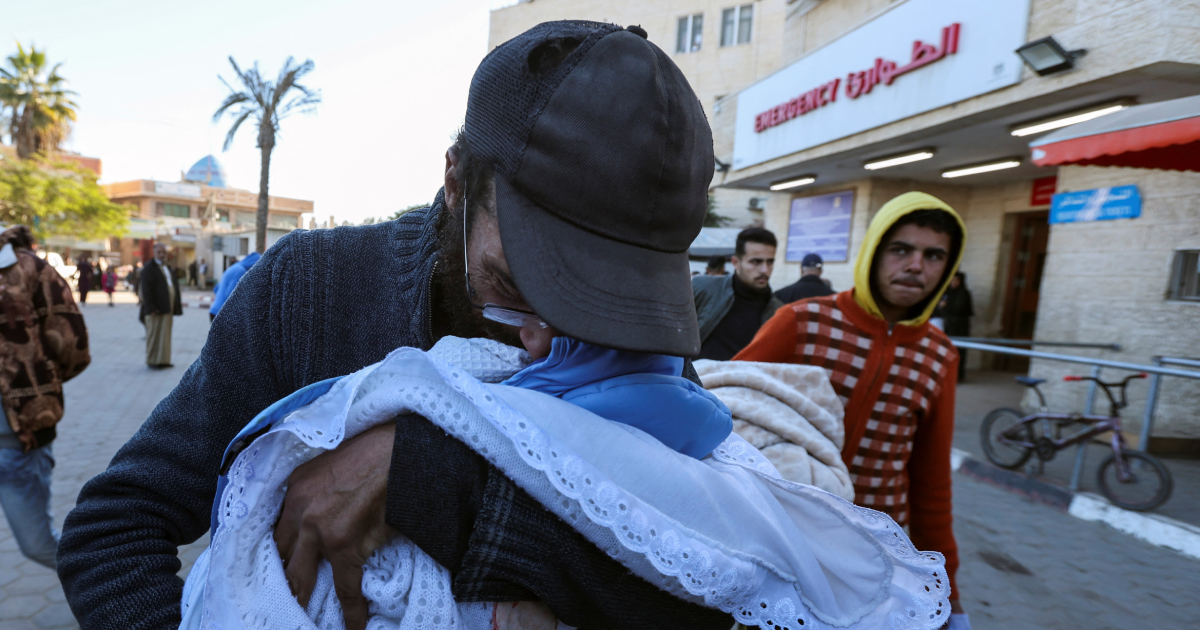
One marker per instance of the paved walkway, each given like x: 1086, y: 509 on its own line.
x: 1024, y: 565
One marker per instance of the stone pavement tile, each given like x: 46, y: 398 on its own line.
x: 29, y: 568
x: 22, y: 606
x: 55, y: 616
x: 1026, y: 565
x: 17, y: 624
x: 33, y: 585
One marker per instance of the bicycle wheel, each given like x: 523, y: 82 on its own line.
x: 1148, y: 487
x: 1005, y: 422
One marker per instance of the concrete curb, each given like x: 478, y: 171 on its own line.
x: 1152, y: 528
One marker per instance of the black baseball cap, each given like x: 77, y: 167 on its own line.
x: 602, y: 168
x: 812, y: 260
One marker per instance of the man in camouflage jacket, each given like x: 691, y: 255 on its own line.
x: 43, y: 343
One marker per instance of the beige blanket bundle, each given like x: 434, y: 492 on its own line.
x: 790, y: 413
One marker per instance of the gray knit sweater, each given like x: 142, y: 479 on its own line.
x: 321, y: 304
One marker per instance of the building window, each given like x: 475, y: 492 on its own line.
x: 285, y: 221
x: 1185, y: 276
x: 690, y: 34
x: 245, y: 218
x: 174, y: 210
x: 736, y: 24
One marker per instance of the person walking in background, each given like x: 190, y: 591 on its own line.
x: 193, y: 272
x: 810, y: 283
x: 38, y: 352
x: 716, y: 266
x: 108, y: 282
x: 957, y: 311
x: 160, y: 304
x: 895, y: 372
x: 203, y: 275
x: 731, y: 308
x: 229, y: 281
x: 86, y: 275
x: 134, y: 279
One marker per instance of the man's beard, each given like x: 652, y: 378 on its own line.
x: 452, y: 305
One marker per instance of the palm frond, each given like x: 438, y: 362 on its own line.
x: 231, y: 100
x: 237, y: 122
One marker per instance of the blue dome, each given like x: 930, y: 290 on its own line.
x: 208, y: 171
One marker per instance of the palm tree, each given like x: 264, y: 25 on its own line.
x: 41, y: 109
x: 265, y: 101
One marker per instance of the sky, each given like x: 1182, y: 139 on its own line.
x: 393, y: 76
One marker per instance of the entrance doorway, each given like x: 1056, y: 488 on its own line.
x: 1025, y: 265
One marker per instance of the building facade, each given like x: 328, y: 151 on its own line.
x: 840, y: 105
x: 199, y: 217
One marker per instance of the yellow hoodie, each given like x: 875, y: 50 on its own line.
x: 888, y: 215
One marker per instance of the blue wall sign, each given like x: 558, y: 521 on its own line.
x: 1101, y: 204
x: 820, y: 225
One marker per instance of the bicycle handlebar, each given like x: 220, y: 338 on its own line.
x: 1105, y: 386
x: 1123, y: 382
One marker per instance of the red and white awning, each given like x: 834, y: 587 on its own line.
x: 1159, y: 135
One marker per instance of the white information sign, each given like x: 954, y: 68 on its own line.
x: 183, y: 190
x: 919, y: 56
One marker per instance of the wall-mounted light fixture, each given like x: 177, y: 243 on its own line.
x: 897, y: 160
x: 795, y: 182
x: 1070, y: 118
x: 1047, y: 56
x: 983, y: 168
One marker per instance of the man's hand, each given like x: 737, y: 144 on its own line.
x: 334, y: 509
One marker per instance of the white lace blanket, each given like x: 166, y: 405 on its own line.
x: 727, y: 532
x: 790, y: 413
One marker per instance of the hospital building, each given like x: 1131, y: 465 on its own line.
x: 1065, y: 132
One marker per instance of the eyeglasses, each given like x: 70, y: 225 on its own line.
x: 504, y: 315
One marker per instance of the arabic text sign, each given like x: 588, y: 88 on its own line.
x: 946, y: 51
x: 820, y: 225
x: 861, y: 82
x: 1101, y: 204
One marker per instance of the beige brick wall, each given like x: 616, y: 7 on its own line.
x: 1106, y: 281
x: 713, y: 71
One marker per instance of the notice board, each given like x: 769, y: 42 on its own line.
x: 820, y: 225
x: 1100, y: 204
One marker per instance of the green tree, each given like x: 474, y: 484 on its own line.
x: 268, y: 103
x: 397, y: 214
x: 711, y: 217
x: 58, y: 198
x: 39, y: 107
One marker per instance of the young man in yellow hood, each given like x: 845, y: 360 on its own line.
x: 895, y: 373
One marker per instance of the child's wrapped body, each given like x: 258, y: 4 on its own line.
x: 637, y: 459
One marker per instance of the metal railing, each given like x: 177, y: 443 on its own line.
x: 1152, y: 395
x: 1157, y: 371
x: 1033, y: 342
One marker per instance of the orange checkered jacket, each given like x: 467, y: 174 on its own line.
x: 897, y: 386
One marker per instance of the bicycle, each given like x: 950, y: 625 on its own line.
x: 1130, y: 479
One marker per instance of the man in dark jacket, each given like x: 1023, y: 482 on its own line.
x: 730, y: 309
x: 160, y: 296
x: 592, y: 97
x: 810, y: 283
x: 957, y: 309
